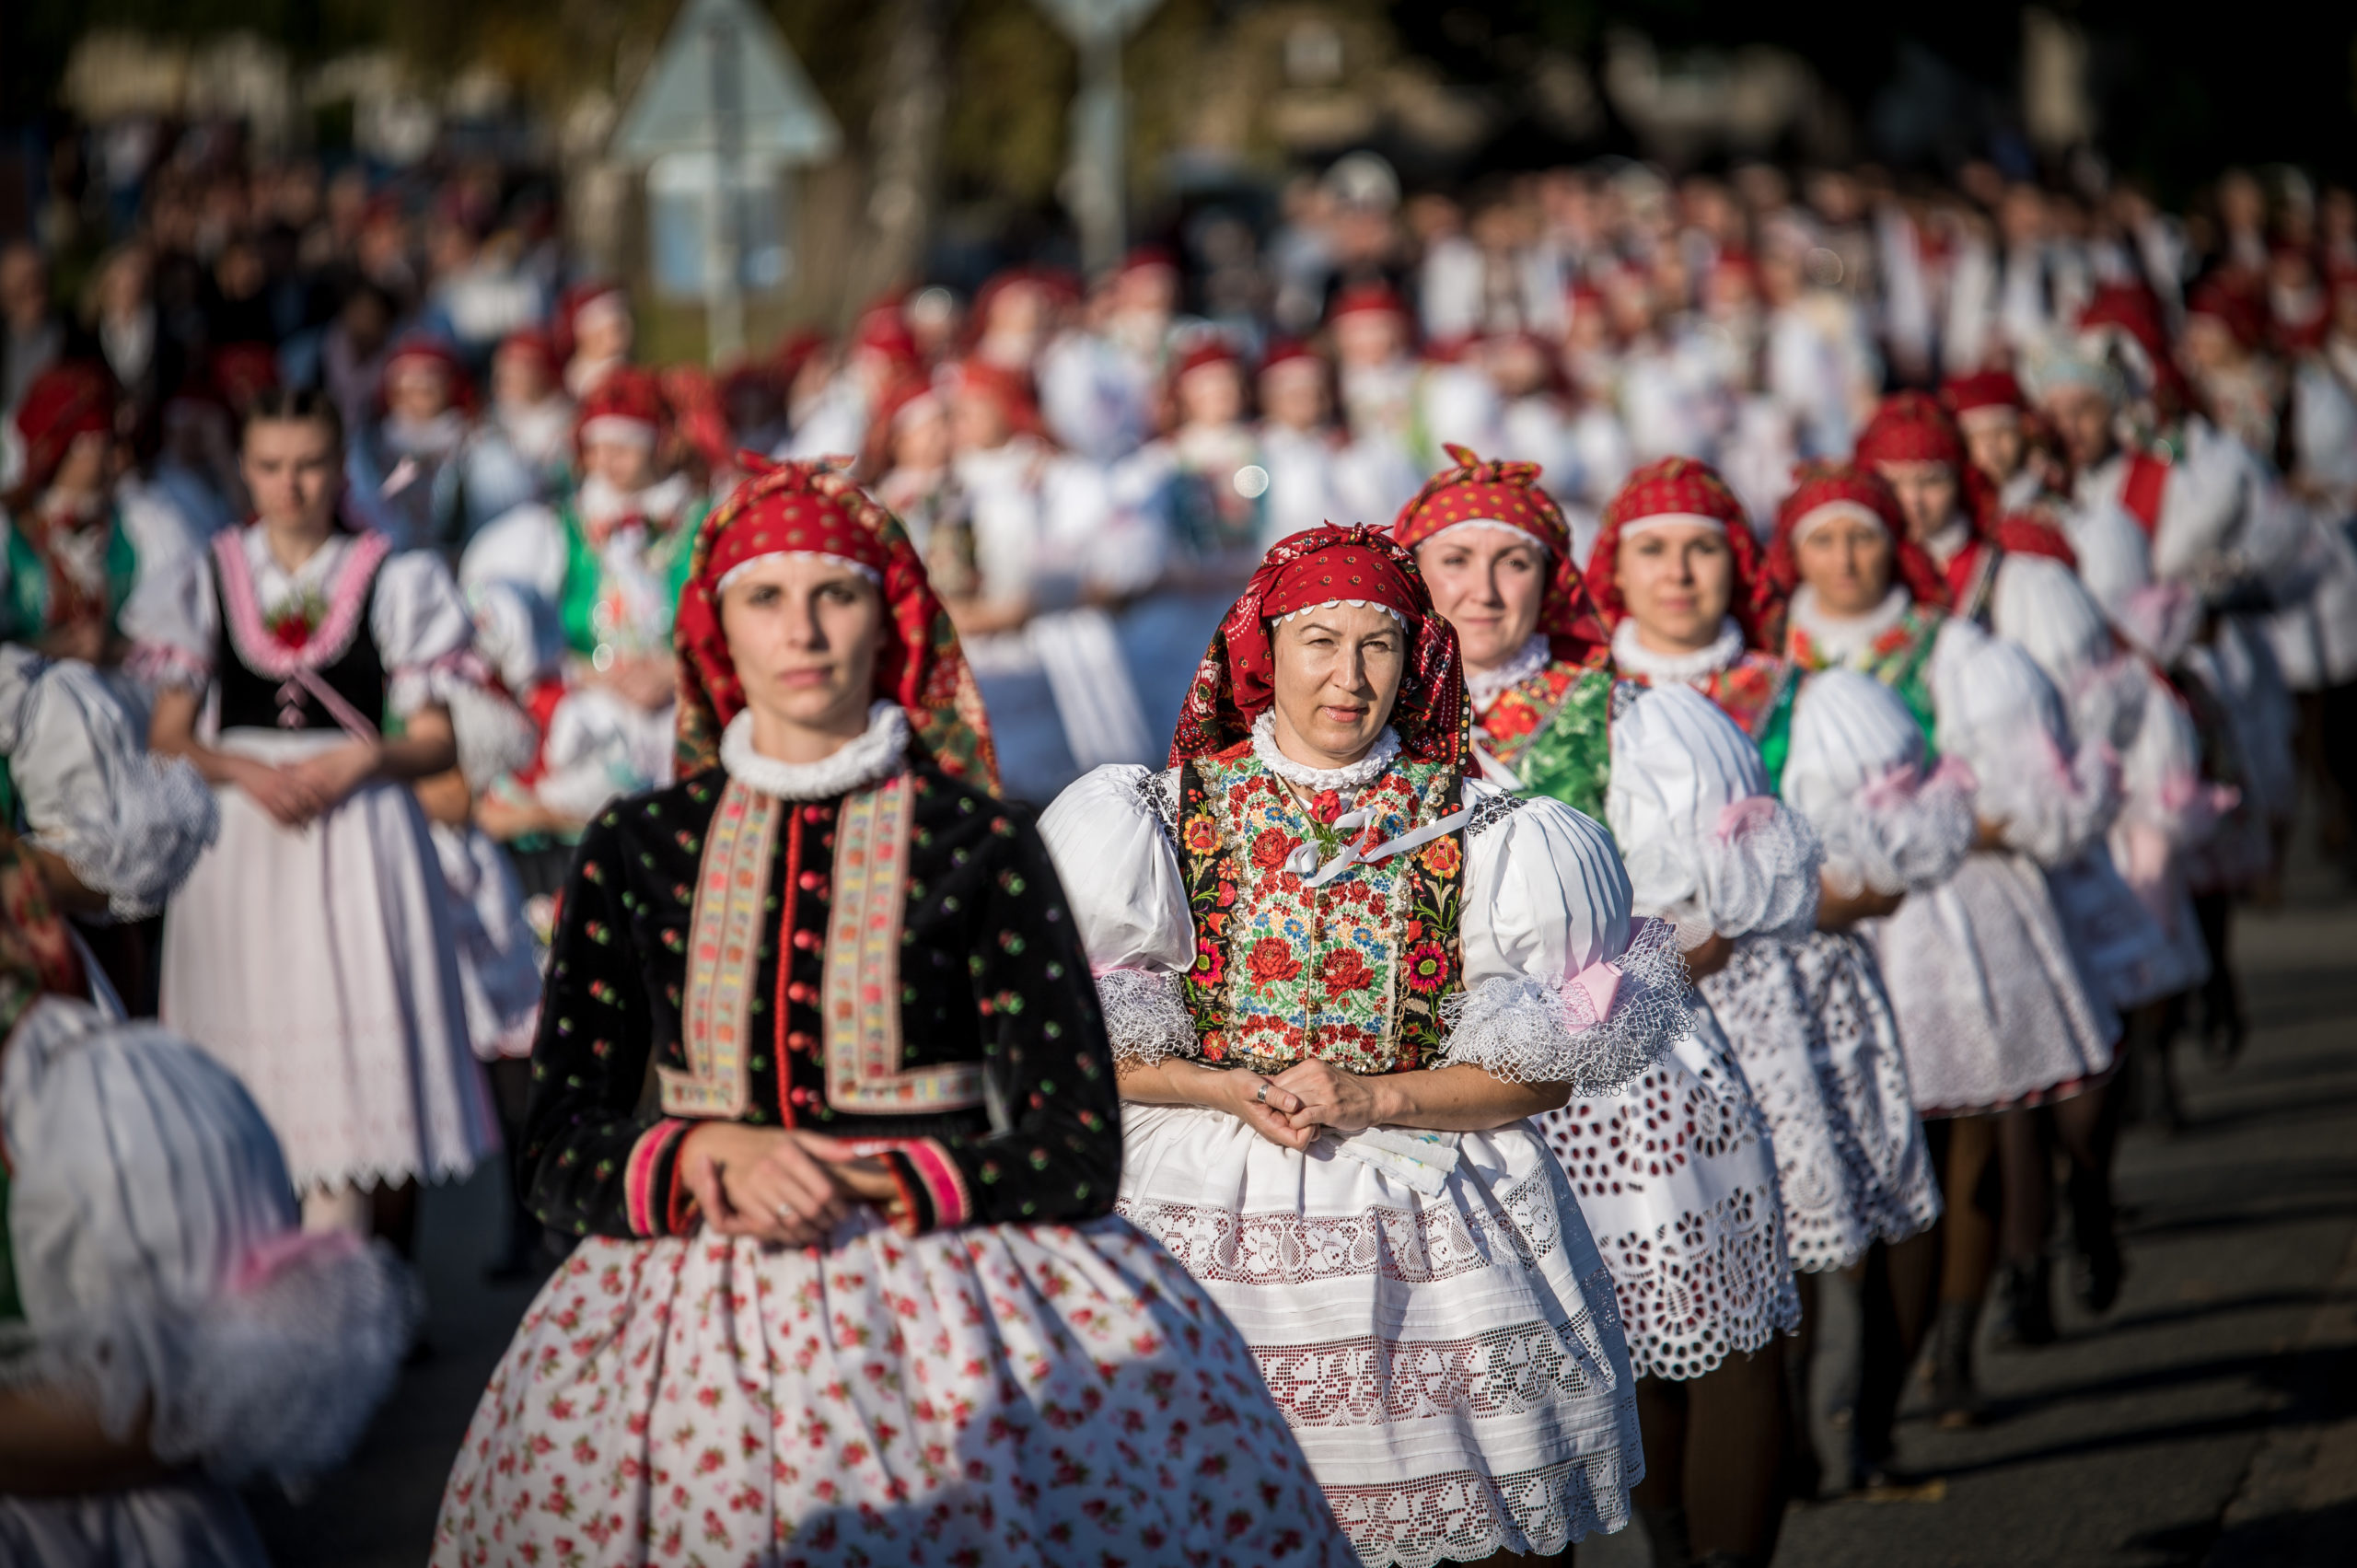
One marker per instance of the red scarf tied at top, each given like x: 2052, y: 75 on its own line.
x: 1508, y: 493
x: 1681, y: 487
x: 1235, y: 684
x: 1817, y: 485
x: 1911, y: 427
x: 809, y: 508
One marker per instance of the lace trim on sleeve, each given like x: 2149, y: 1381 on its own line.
x: 140, y: 841
x: 1146, y: 1017
x: 2053, y: 806
x: 1758, y: 870
x: 1158, y: 792
x: 1901, y: 832
x: 1527, y: 1031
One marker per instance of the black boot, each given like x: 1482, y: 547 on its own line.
x: 2026, y: 1303
x: 1954, y: 1401
x: 2100, y: 1266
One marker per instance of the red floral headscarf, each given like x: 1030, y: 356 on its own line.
x: 1913, y: 427
x: 1328, y: 565
x: 64, y: 402
x: 1508, y: 493
x: 1822, y: 484
x: 786, y: 508
x: 1682, y: 487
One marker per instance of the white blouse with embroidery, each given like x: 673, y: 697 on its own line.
x: 417, y: 621
x: 1545, y: 897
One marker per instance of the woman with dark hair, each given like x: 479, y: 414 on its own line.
x: 306, y: 669
x: 1339, y: 976
x: 822, y: 1084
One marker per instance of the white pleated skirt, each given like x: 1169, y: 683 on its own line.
x: 1986, y: 988
x: 1454, y: 1366
x: 320, y: 966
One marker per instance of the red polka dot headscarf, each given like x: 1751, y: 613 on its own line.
x: 1688, y: 491
x: 809, y: 508
x: 1235, y: 683
x: 1506, y: 494
x: 1820, y: 492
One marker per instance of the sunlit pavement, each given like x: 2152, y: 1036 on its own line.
x: 2211, y: 1419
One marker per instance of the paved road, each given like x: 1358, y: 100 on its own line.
x: 2209, y: 1421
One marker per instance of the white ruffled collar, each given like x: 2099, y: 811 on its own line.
x: 1486, y: 686
x: 878, y: 753
x: 1355, y: 776
x: 1632, y: 657
x: 1841, y: 638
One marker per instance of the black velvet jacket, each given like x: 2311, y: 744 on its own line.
x: 990, y: 972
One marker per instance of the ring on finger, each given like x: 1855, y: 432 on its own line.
x: 1262, y: 1098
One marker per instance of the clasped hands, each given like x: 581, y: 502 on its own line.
x: 1294, y: 1107
x: 777, y: 1185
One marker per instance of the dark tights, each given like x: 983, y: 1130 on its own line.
x: 1895, y: 1300
x: 1714, y: 1451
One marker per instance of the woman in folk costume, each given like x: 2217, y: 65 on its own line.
x: 307, y: 672
x: 1677, y: 574
x: 1675, y: 1173
x: 2016, y: 575
x: 821, y: 1082
x: 167, y: 1332
x: 1337, y: 975
x: 1981, y: 971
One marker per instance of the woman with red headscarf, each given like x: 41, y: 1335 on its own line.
x: 1674, y: 1172
x: 821, y: 1085
x: 1338, y: 973
x: 1993, y: 1011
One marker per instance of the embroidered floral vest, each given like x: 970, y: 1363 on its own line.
x: 1756, y: 691
x: 1351, y: 973
x: 35, y: 599
x: 1901, y: 659
x: 593, y: 608
x: 1553, y: 730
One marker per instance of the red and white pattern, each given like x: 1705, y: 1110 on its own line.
x: 1003, y: 1395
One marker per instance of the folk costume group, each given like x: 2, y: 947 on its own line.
x: 1499, y: 1079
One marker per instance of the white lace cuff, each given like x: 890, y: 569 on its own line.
x: 1145, y: 1016
x: 1527, y: 1031
x: 1900, y: 833
x: 1758, y: 870
x: 2052, y: 806
x: 139, y: 840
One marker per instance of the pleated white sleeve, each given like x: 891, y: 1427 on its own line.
x: 1113, y: 852
x: 1546, y: 906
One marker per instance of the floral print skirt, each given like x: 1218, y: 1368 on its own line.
x: 1452, y: 1363
x: 1008, y: 1394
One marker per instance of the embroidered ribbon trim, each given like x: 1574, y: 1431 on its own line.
x: 724, y: 935
x: 264, y: 654
x: 638, y: 1182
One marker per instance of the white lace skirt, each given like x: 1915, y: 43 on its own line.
x: 1987, y: 992
x: 1677, y: 1178
x: 320, y: 967
x: 1453, y: 1365
x: 2124, y: 957
x: 1813, y: 1031
x: 1019, y: 1396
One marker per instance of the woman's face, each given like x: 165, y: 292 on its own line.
x: 1490, y: 583
x: 628, y: 466
x: 1927, y: 493
x: 1676, y: 579
x: 1993, y: 441
x: 1338, y: 672
x: 802, y: 632
x: 1847, y: 560
x: 1211, y: 395
x: 293, y: 470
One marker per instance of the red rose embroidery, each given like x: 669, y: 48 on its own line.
x: 1271, y: 962
x: 291, y: 632
x: 1269, y: 847
x: 1427, y: 968
x: 1344, y: 970
x: 1202, y: 834
x: 1326, y: 805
